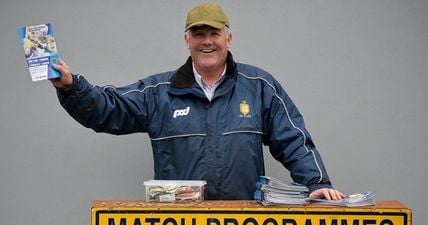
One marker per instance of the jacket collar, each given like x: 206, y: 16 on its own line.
x: 184, y: 77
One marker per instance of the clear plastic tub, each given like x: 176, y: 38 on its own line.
x: 175, y: 190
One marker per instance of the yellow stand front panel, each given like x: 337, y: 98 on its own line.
x: 245, y: 213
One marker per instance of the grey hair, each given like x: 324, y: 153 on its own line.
x: 227, y: 32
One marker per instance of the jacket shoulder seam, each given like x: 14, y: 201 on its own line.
x: 146, y: 87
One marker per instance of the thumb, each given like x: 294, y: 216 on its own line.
x: 66, y: 79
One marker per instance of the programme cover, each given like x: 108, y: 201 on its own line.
x: 40, y: 51
x: 354, y: 200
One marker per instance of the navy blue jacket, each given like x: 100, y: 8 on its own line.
x: 220, y: 141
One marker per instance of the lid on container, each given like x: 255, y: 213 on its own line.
x: 176, y: 182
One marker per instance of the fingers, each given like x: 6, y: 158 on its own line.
x: 335, y: 194
x: 64, y: 64
x: 66, y: 79
x: 327, y: 193
x: 62, y: 67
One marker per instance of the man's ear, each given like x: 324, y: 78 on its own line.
x: 229, y: 41
x: 185, y: 41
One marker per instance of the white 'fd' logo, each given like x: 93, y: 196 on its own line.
x: 181, y: 112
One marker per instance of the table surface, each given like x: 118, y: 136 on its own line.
x: 234, y: 204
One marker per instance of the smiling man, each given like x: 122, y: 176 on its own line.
x: 207, y: 120
x: 208, y: 47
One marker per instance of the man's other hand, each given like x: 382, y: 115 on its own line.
x: 327, y: 193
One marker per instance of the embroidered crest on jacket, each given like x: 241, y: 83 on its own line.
x: 244, y: 108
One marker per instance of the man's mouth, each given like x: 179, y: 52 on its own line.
x: 207, y: 50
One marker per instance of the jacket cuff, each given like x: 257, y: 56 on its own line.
x: 69, y: 90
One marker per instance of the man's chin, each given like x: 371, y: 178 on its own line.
x: 207, y: 63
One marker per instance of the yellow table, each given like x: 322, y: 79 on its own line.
x: 132, y: 212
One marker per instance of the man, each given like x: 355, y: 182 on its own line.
x: 209, y: 119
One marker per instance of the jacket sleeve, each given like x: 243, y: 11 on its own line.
x: 105, y: 109
x: 289, y: 141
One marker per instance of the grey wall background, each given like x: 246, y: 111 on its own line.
x: 357, y: 70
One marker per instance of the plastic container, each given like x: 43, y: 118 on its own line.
x: 175, y: 190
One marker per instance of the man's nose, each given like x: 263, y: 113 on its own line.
x: 207, y: 40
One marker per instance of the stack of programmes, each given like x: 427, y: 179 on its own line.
x: 354, y: 200
x: 271, y: 191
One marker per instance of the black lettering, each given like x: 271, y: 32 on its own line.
x: 111, y: 221
x: 368, y: 222
x: 309, y: 222
x: 213, y: 221
x: 386, y: 222
x: 230, y: 221
x: 249, y: 221
x: 270, y: 221
x: 333, y: 222
x: 193, y: 221
x: 169, y: 221
x: 354, y: 222
x: 288, y: 221
x: 137, y: 221
x: 152, y: 221
x: 183, y: 221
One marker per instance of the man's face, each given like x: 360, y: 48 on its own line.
x: 208, y: 47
